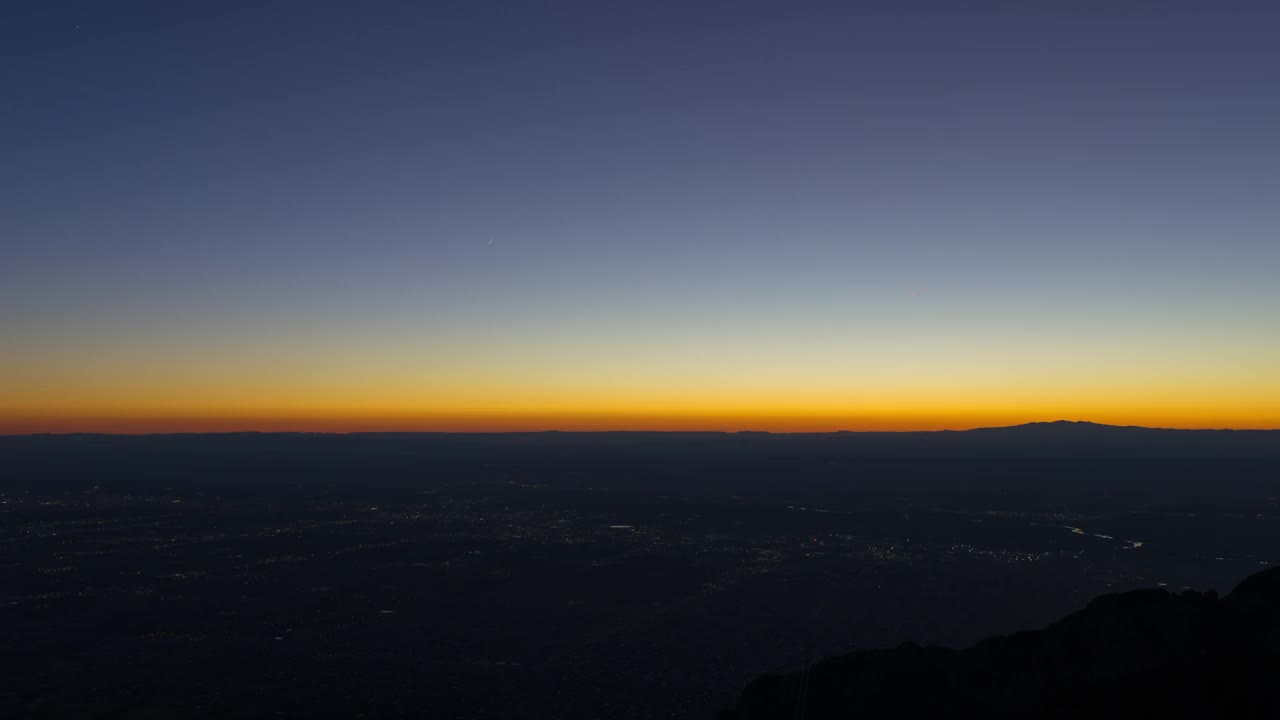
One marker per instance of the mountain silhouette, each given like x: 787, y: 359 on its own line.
x: 1059, y: 426
x: 1140, y: 654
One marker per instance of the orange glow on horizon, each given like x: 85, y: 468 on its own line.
x: 809, y: 393
x: 584, y: 422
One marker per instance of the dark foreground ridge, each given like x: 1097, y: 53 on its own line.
x: 1146, y: 653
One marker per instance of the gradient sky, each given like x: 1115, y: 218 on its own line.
x: 529, y: 215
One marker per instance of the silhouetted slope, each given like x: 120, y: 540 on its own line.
x: 1147, y: 653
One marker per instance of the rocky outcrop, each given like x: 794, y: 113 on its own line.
x: 1147, y: 653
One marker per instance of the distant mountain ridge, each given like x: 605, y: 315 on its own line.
x: 1141, y: 654
x: 1042, y: 457
x: 1056, y: 439
x: 1068, y: 426
x: 1064, y: 426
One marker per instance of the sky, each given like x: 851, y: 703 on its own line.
x: 637, y: 215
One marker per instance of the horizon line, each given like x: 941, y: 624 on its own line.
x: 617, y: 431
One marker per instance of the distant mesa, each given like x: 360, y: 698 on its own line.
x: 1064, y: 426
